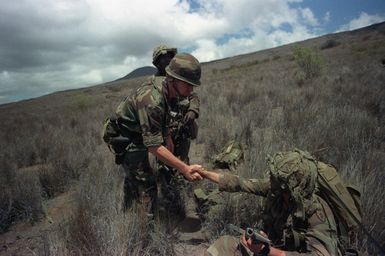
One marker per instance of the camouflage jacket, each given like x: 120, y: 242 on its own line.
x: 320, y: 235
x: 144, y: 115
x: 194, y: 102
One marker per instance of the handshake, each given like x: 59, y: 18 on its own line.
x: 197, y: 172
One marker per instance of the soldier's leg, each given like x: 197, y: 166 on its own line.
x: 226, y: 246
x: 139, y: 184
x: 131, y: 193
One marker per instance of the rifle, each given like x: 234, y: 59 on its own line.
x: 255, y: 236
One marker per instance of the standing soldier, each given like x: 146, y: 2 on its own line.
x: 183, y: 128
x: 183, y: 125
x: 142, y: 119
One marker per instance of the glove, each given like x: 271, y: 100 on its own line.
x: 189, y: 117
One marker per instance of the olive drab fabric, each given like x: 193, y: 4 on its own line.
x: 185, y: 67
x: 295, y: 172
x: 230, y: 156
x: 343, y: 200
x: 316, y: 235
x: 207, y: 200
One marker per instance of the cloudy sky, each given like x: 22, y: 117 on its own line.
x: 51, y: 45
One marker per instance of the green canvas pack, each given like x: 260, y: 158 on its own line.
x: 111, y: 131
x: 230, y: 156
x: 344, y: 200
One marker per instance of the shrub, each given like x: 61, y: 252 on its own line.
x: 310, y: 61
x: 329, y: 44
x: 20, y: 197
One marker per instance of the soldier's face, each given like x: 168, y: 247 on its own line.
x: 182, y: 88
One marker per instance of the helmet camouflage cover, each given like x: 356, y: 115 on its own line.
x: 162, y: 49
x: 185, y: 67
x: 293, y: 171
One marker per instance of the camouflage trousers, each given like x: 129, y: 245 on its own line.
x: 171, y: 188
x: 139, y: 182
x: 227, y: 246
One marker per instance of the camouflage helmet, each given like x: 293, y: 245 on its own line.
x: 160, y: 50
x: 293, y: 171
x: 185, y: 67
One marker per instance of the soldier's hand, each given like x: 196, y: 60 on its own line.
x: 248, y: 243
x: 192, y: 173
x: 255, y: 248
x: 189, y: 117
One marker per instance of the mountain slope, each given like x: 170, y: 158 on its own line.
x: 143, y: 71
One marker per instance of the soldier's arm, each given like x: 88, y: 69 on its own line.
x: 210, y: 175
x: 233, y: 183
x: 164, y: 155
x: 194, y: 104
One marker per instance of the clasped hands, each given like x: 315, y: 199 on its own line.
x: 196, y: 172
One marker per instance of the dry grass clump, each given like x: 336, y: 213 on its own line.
x: 20, y: 196
x: 99, y: 226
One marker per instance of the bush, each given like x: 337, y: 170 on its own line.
x: 310, y: 61
x: 329, y: 44
x: 20, y: 196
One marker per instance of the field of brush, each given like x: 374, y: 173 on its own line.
x: 325, y: 95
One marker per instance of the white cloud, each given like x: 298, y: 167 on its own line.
x: 327, y: 17
x: 363, y: 20
x: 50, y: 45
x: 308, y: 16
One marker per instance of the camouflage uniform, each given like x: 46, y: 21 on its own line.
x: 181, y: 136
x: 172, y: 186
x: 143, y: 118
x: 141, y: 122
x: 309, y: 228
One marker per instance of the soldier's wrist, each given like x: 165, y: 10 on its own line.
x: 184, y: 169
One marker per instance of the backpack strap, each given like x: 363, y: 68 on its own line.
x: 358, y: 222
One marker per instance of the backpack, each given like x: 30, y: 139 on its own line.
x: 111, y: 135
x: 230, y: 156
x: 343, y: 199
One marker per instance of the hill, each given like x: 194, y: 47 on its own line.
x: 143, y: 71
x: 60, y: 191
